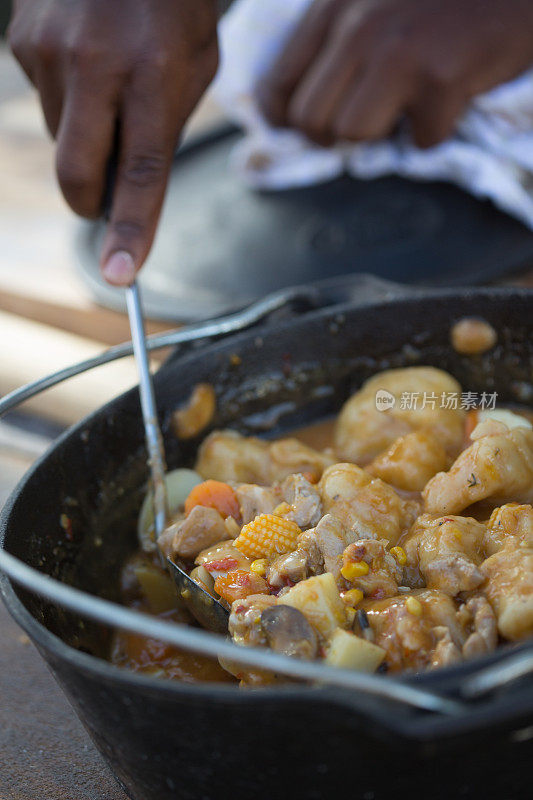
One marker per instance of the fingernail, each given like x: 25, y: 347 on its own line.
x: 119, y: 269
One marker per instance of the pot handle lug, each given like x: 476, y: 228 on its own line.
x: 298, y: 299
x: 295, y: 301
x: 361, y: 289
x: 500, y: 675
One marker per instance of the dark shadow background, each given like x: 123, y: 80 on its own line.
x: 5, y: 11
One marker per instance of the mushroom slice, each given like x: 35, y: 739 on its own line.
x: 288, y: 631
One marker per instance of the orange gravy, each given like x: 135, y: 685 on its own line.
x: 152, y: 657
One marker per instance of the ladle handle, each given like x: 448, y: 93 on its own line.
x: 154, y: 439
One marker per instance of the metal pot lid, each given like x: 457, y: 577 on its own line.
x: 221, y: 245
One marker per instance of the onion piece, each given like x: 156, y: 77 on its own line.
x: 509, y: 418
x: 179, y: 483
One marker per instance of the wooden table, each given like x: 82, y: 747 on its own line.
x: 45, y: 753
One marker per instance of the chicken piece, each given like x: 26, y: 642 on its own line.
x: 498, y: 467
x: 447, y: 551
x: 288, y: 569
x: 363, y: 431
x: 228, y: 456
x: 479, y: 620
x: 383, y: 573
x: 289, y: 456
x: 307, y: 543
x: 263, y: 622
x: 331, y: 539
x: 245, y: 619
x: 416, y: 631
x: 255, y: 500
x: 303, y: 499
x: 324, y: 546
x: 365, y: 505
x: 509, y: 587
x: 165, y: 542
x: 245, y: 628
x: 511, y: 519
x: 202, y: 528
x: 411, y: 461
x: 446, y: 650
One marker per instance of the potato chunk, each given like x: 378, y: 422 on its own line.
x: 350, y: 652
x: 228, y: 456
x: 497, y: 467
x: 319, y: 599
x: 363, y: 431
x: 411, y: 461
x: 509, y: 588
x: 511, y: 519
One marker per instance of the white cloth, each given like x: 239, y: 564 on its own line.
x: 489, y: 155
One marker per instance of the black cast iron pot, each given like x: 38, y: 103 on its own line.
x: 168, y: 740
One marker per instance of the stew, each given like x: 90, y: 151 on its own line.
x: 398, y: 536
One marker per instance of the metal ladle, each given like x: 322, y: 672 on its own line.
x: 208, y: 611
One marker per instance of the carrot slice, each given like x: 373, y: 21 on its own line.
x: 214, y: 494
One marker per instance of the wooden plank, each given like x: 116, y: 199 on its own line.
x: 83, y: 319
x: 31, y: 350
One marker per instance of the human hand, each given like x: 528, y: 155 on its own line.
x: 354, y: 68
x: 128, y: 68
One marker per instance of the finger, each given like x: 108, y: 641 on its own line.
x: 277, y: 86
x: 315, y: 100
x: 434, y: 116
x: 147, y: 143
x: 377, y: 103
x: 38, y: 55
x: 48, y: 81
x: 20, y: 42
x: 84, y: 143
x: 154, y: 113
